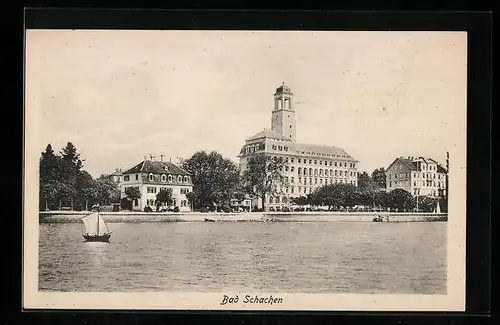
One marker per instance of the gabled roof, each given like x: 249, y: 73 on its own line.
x: 406, y: 162
x: 266, y: 133
x: 156, y: 167
x: 334, y: 152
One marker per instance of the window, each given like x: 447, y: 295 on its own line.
x: 299, y: 171
x: 315, y: 172
x: 331, y: 172
x: 336, y: 172
x: 292, y: 180
x: 151, y: 189
x: 136, y: 177
x: 390, y: 184
x: 315, y: 181
x: 310, y: 161
x: 292, y: 169
x: 300, y: 160
x: 179, y: 178
x: 183, y: 203
x: 310, y: 171
x: 291, y: 159
x: 286, y: 160
x: 345, y: 164
x: 300, y: 180
x: 163, y: 178
x: 150, y: 177
x: 184, y: 190
x: 315, y: 162
x: 321, y: 162
x: 170, y: 178
x: 286, y: 168
x: 126, y: 178
x: 335, y: 164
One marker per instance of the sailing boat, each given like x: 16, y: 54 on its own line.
x: 96, y: 229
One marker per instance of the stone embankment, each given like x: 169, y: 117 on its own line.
x: 122, y: 217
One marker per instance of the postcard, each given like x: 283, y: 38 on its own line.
x: 245, y: 170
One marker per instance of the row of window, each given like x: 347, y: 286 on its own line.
x: 164, y: 178
x: 152, y: 190
x: 308, y: 190
x: 151, y: 202
x: 327, y: 181
x: 316, y: 162
x: 428, y: 183
x: 327, y: 172
x: 416, y: 175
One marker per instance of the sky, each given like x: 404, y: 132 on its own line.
x: 121, y: 95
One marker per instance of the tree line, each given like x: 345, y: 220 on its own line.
x: 65, y: 184
x: 216, y: 181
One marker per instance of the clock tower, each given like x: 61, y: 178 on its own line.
x: 283, y: 117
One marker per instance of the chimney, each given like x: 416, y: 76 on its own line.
x: 170, y: 159
x: 152, y: 157
x: 161, y: 158
x: 145, y: 157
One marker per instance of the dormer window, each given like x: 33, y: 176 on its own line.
x: 170, y: 178
x: 166, y: 168
x: 179, y: 178
x: 163, y: 177
x: 150, y: 177
x: 185, y: 179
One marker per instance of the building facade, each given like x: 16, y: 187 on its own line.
x: 417, y: 175
x: 150, y: 176
x: 308, y: 166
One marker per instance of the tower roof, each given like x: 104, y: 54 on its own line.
x: 283, y: 89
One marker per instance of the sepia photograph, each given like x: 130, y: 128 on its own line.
x: 245, y: 170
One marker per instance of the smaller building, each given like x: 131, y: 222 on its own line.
x: 150, y: 176
x: 117, y: 176
x: 417, y: 175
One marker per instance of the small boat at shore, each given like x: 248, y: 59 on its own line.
x: 96, y: 229
x: 209, y: 220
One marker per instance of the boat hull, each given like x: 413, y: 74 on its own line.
x: 103, y: 238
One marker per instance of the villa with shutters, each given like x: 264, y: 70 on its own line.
x: 150, y: 176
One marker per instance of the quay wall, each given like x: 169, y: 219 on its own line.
x: 131, y: 217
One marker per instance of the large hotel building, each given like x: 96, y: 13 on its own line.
x: 309, y: 166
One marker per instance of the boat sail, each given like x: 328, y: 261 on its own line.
x: 438, y: 208
x: 95, y: 228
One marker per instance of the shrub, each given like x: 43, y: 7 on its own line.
x: 176, y: 209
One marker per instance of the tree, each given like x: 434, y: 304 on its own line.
x: 214, y: 178
x: 401, y: 200
x: 378, y: 177
x: 164, y: 196
x: 263, y: 176
x: 50, y: 176
x: 86, y: 190
x: 71, y: 164
x: 366, y: 183
x: 133, y: 193
x: 107, y: 190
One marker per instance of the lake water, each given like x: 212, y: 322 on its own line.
x: 308, y: 257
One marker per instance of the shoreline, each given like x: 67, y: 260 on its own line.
x: 138, y: 217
